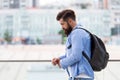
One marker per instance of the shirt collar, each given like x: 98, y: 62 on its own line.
x: 77, y: 26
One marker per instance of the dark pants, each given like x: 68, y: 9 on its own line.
x: 80, y: 79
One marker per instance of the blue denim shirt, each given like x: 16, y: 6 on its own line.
x: 73, y: 57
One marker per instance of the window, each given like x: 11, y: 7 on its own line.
x: 9, y: 21
x: 5, y: 1
x: 23, y: 6
x: 5, y: 6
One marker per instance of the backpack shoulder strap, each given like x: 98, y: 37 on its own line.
x: 83, y: 53
x: 83, y: 29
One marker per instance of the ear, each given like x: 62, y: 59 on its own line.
x: 70, y: 21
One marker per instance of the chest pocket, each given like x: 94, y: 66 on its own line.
x: 68, y: 49
x: 68, y: 44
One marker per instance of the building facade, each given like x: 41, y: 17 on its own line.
x: 18, y: 4
x: 37, y: 23
x: 114, y: 7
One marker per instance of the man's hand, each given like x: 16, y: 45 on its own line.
x: 55, y: 61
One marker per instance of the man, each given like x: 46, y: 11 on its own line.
x: 73, y: 61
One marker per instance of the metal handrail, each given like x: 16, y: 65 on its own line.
x: 111, y: 60
x: 25, y: 60
x: 114, y: 60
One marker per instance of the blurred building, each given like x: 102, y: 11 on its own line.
x: 114, y: 7
x: 78, y: 4
x: 102, y: 4
x: 81, y: 4
x: 17, y: 4
x: 97, y: 21
x: 115, y: 31
x: 114, y: 4
x: 28, y: 19
x: 34, y: 24
x: 38, y: 24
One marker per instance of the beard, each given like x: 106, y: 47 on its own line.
x: 68, y: 30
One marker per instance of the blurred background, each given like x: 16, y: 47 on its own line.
x: 34, y: 21
x: 30, y: 36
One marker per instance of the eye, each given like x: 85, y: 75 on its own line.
x: 62, y: 24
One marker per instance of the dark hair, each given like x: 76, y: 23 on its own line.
x: 65, y: 14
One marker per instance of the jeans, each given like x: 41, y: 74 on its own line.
x: 80, y: 79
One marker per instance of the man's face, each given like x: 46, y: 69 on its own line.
x: 65, y: 26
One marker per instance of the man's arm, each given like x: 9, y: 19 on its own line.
x: 77, y: 48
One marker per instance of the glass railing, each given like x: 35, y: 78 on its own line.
x: 30, y: 70
x: 111, y: 72
x: 21, y: 62
x: 44, y: 70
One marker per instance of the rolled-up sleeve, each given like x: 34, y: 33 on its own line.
x: 76, y: 50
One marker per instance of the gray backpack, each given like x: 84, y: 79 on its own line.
x: 99, y: 55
